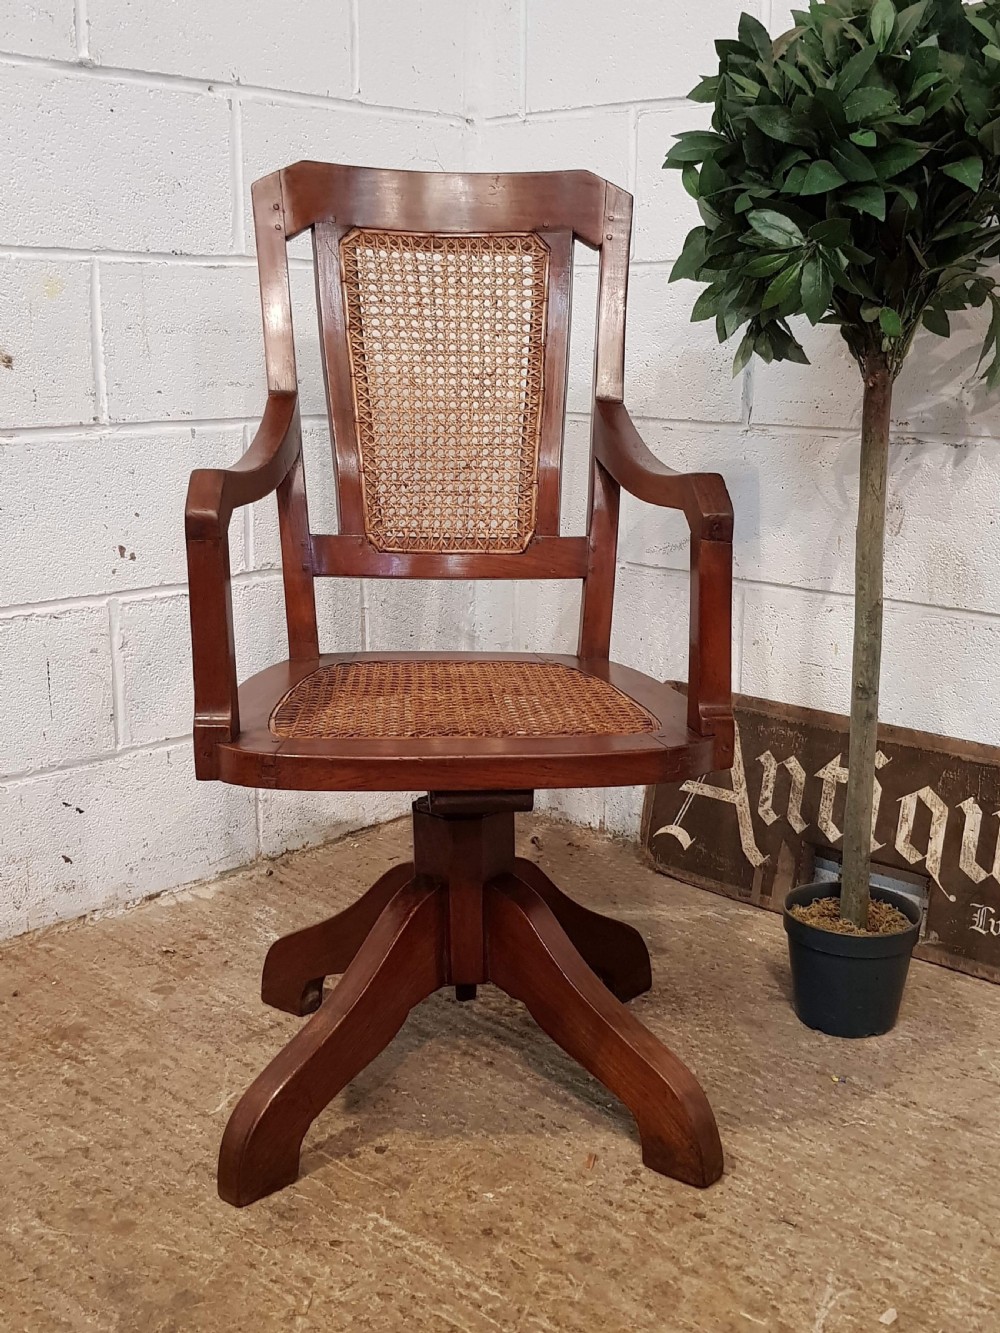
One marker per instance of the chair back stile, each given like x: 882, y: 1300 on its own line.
x: 297, y: 562
x: 444, y: 305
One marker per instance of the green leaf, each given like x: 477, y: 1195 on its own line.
x: 755, y: 37
x: 936, y: 321
x: 866, y: 199
x: 817, y: 289
x: 742, y: 358
x: 707, y: 90
x: 835, y: 232
x: 821, y: 177
x: 892, y: 325
x: 827, y: 113
x: 992, y: 51
x: 915, y: 117
x: 928, y: 80
x: 691, y: 178
x: 981, y: 26
x: 908, y: 196
x: 865, y: 138
x: 790, y: 159
x: 751, y: 87
x: 909, y: 20
x: 918, y: 254
x: 957, y: 229
x: 794, y: 180
x: 694, y: 146
x: 883, y: 18
x: 981, y: 290
x: 710, y: 216
x: 766, y: 266
x: 968, y: 172
x: 855, y: 70
x: 726, y: 325
x: 782, y: 288
x: 784, y: 346
x: 853, y: 163
x: 778, y: 122
x: 795, y: 75
x: 708, y: 303
x: 989, y: 137
x: 776, y: 228
x: 869, y: 104
x: 898, y: 157
x: 692, y: 258
x: 992, y: 340
x: 712, y: 179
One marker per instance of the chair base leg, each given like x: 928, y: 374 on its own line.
x: 465, y: 912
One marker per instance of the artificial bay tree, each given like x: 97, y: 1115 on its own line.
x: 851, y: 176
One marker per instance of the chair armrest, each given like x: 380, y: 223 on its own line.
x: 704, y: 500
x: 214, y: 493
x: 702, y: 496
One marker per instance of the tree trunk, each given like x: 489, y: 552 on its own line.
x: 868, y: 584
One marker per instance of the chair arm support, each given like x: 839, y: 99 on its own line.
x: 704, y: 500
x: 702, y: 496
x: 214, y: 493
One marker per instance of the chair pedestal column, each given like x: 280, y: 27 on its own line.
x: 464, y: 912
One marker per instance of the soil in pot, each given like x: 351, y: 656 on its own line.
x: 848, y: 984
x: 824, y: 914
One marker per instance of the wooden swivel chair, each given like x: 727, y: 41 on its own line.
x: 444, y: 308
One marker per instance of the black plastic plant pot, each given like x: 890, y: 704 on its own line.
x: 848, y: 985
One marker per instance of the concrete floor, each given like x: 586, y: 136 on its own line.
x: 473, y: 1178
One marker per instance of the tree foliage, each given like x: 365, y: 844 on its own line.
x: 851, y: 175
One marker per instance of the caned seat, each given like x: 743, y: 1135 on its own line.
x: 444, y: 313
x: 413, y: 698
x: 395, y: 721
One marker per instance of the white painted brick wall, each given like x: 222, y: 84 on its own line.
x: 57, y: 667
x: 129, y: 314
x: 45, y: 339
x: 130, y: 353
x: 785, y: 437
x: 129, y: 167
x: 301, y: 46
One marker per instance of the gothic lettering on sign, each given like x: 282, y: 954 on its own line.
x: 973, y: 812
x: 985, y: 920
x: 753, y: 833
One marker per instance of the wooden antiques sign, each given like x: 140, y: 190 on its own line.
x: 753, y: 834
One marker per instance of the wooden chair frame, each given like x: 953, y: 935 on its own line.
x: 465, y: 911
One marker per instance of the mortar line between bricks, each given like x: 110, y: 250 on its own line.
x: 522, y: 67
x: 633, y: 171
x: 163, y: 258
x: 81, y: 30
x: 97, y: 346
x: 236, y: 172
x: 126, y: 596
x: 102, y: 430
x: 910, y: 604
x: 355, y: 31
x: 221, y: 87
x: 117, y: 674
x: 544, y: 114
x: 93, y: 760
x: 902, y: 435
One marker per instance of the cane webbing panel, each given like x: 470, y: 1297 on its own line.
x: 446, y: 342
x: 380, y: 699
